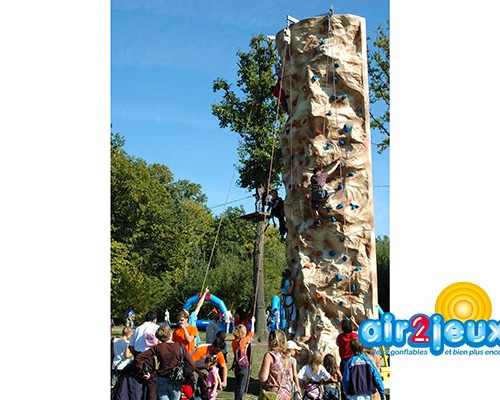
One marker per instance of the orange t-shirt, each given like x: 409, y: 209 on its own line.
x: 200, y: 353
x: 180, y: 337
x: 243, y: 342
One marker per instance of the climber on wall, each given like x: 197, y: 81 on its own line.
x: 286, y: 301
x: 318, y: 193
x: 276, y: 207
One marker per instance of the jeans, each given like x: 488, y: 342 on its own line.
x: 167, y: 389
x: 241, y: 376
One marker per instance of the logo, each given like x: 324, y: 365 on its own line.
x: 463, y: 312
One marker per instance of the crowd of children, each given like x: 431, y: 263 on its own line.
x: 135, y: 377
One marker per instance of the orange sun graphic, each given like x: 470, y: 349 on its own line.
x: 464, y: 301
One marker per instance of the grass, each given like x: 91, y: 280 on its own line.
x: 258, y: 351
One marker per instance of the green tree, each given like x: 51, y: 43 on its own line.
x: 383, y: 272
x: 379, y: 77
x: 253, y: 114
x: 157, y: 225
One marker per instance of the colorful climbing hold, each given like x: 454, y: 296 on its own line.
x: 357, y: 268
x: 336, y: 65
x: 341, y: 239
x: 351, y: 174
x: 315, y: 337
x: 329, y: 112
x: 333, y: 219
x: 321, y: 42
x: 339, y: 206
x: 333, y: 98
x: 341, y: 303
x: 318, y: 132
x: 318, y: 296
x: 332, y: 253
x: 316, y: 153
x: 315, y: 77
x: 347, y: 128
x: 342, y: 142
x: 353, y: 287
x: 339, y: 277
x: 343, y: 97
x: 344, y: 258
x: 353, y: 206
x: 335, y: 79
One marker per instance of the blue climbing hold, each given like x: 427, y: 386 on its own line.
x: 351, y: 174
x: 333, y: 219
x: 336, y: 65
x: 335, y: 79
x: 344, y: 258
x: 329, y: 112
x: 333, y: 98
x: 340, y: 186
x: 341, y: 239
x: 339, y: 277
x: 332, y: 253
x: 329, y: 209
x: 342, y: 142
x: 343, y: 97
x: 339, y: 206
x: 353, y: 206
x: 353, y: 287
x: 357, y: 268
x: 341, y: 303
x: 315, y: 77
x: 347, y: 128
x: 321, y: 42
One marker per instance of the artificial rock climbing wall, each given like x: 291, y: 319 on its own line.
x: 325, y: 82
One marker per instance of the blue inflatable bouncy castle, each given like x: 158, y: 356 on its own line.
x: 201, y: 324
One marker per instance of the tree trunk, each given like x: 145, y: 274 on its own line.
x: 258, y: 280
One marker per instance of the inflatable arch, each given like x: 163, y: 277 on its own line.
x: 201, y: 324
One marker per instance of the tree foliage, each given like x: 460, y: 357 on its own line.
x: 379, y: 77
x: 383, y: 272
x: 251, y: 113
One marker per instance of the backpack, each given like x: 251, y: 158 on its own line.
x: 240, y: 358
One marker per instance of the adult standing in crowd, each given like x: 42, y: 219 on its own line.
x: 275, y: 373
x: 169, y: 354
x: 241, y: 341
x: 185, y: 333
x: 142, y: 339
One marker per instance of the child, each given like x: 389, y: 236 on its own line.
x: 312, y: 375
x: 293, y: 348
x: 121, y: 355
x: 212, y: 381
x: 332, y: 388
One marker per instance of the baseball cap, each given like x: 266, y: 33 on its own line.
x: 291, y: 345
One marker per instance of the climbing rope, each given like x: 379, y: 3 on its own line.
x: 217, y: 235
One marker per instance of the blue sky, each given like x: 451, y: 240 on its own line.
x: 165, y: 56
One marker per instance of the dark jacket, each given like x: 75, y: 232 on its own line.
x: 361, y: 377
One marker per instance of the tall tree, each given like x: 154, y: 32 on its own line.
x: 253, y: 114
x: 379, y: 76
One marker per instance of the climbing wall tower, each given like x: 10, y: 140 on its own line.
x: 325, y: 82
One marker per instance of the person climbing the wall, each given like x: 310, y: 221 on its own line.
x: 260, y: 198
x: 318, y: 193
x: 277, y: 209
x: 286, y: 301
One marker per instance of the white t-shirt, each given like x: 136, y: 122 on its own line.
x: 306, y: 373
x: 120, y: 361
x: 144, y: 336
